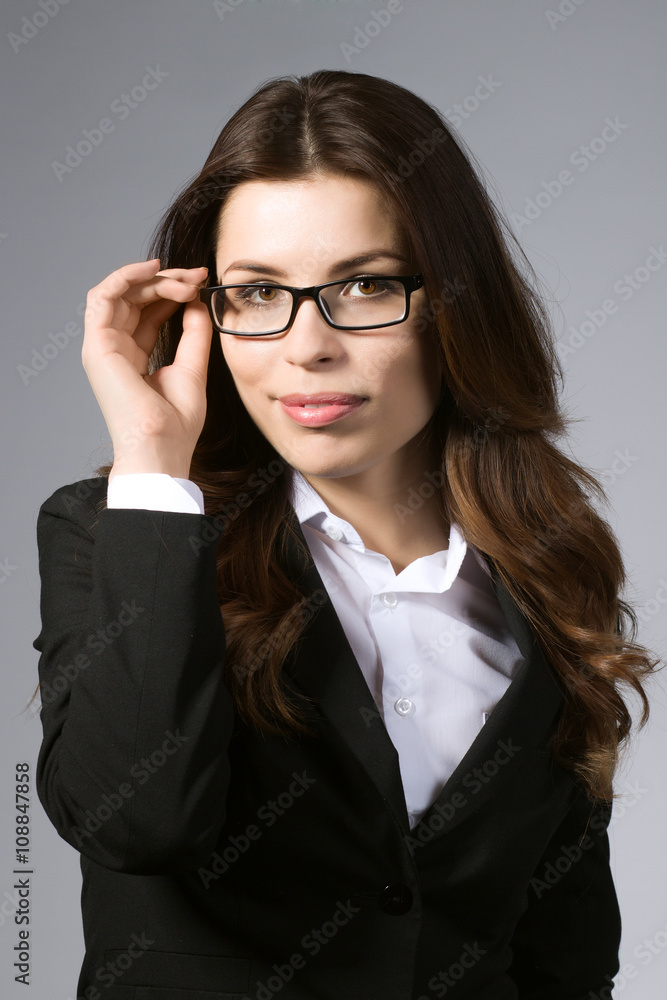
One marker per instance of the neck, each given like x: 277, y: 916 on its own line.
x: 393, y: 508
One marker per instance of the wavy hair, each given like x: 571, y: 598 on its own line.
x: 525, y: 505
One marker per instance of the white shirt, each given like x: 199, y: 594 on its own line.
x: 432, y: 642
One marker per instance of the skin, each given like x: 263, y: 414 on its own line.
x: 365, y: 463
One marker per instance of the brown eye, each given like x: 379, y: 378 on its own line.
x: 367, y: 281
x: 262, y: 291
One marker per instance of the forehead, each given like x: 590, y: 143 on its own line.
x: 333, y: 212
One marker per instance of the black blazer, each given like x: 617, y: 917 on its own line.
x: 222, y: 863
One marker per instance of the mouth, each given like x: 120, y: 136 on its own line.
x: 313, y: 398
x: 320, y: 408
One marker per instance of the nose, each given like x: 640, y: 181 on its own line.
x: 310, y: 338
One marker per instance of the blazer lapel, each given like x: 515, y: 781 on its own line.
x: 326, y: 669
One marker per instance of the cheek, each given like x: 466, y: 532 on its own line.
x: 408, y: 362
x: 383, y: 361
x: 249, y: 364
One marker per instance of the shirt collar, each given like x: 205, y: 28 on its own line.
x: 435, y: 572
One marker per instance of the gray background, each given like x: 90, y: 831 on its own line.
x: 557, y: 81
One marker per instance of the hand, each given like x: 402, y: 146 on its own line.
x: 154, y: 420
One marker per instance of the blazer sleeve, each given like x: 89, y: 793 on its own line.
x: 566, y: 943
x: 133, y: 769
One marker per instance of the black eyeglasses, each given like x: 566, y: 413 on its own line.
x: 260, y: 308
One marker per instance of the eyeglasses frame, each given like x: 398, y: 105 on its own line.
x: 410, y: 283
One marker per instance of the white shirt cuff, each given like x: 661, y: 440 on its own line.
x: 155, y: 491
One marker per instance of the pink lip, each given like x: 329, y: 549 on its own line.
x: 338, y: 405
x: 300, y: 398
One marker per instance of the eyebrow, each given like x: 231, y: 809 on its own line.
x: 342, y: 265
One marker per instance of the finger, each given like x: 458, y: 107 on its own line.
x: 118, y: 282
x: 101, y: 301
x: 166, y: 286
x: 195, y: 344
x: 157, y: 313
x: 181, y: 272
x: 151, y: 319
x: 136, y: 284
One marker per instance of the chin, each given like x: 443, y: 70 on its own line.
x: 329, y: 470
x: 310, y: 458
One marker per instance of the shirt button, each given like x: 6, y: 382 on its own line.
x: 404, y: 706
x: 389, y: 600
x: 333, y: 531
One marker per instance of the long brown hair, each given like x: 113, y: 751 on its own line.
x: 517, y: 498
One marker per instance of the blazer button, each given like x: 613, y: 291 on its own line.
x: 396, y: 898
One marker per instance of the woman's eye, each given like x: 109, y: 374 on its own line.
x: 363, y: 288
x: 368, y: 288
x: 265, y: 293
x: 257, y: 294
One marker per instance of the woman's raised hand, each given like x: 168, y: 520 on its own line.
x: 154, y: 420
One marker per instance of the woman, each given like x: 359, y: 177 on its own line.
x: 332, y: 652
